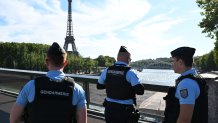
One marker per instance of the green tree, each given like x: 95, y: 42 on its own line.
x: 203, y: 63
x: 75, y: 63
x: 31, y: 56
x: 105, y: 61
x: 210, y: 61
x: 101, y: 61
x: 197, y: 62
x: 23, y: 55
x: 109, y: 61
x: 209, y: 22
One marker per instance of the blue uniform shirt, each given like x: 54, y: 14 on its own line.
x: 131, y: 77
x: 27, y: 94
x: 188, y: 90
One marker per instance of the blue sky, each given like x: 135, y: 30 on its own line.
x: 149, y: 28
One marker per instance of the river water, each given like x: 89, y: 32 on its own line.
x: 158, y: 76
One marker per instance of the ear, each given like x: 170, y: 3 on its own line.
x: 181, y: 62
x: 65, y: 63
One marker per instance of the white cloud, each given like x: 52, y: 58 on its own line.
x: 114, y: 15
x: 144, y: 35
x: 89, y: 21
x: 99, y: 28
x: 150, y: 36
x: 28, y: 24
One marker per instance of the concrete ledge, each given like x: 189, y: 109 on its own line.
x: 209, y: 76
x: 212, y: 101
x: 212, y: 83
x: 154, y: 104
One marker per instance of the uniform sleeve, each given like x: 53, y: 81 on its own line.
x: 26, y: 94
x: 79, y: 98
x: 132, y: 77
x: 187, y: 91
x: 102, y: 77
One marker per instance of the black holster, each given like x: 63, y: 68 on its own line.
x: 134, y: 117
x: 171, y: 112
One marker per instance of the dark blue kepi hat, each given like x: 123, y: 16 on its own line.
x: 182, y: 52
x: 123, y: 49
x: 55, y: 49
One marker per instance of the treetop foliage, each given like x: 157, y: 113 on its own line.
x: 210, y: 13
x: 31, y: 56
x: 209, y: 23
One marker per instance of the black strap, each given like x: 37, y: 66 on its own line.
x: 190, y: 76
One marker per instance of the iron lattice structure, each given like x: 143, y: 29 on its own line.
x: 69, y: 35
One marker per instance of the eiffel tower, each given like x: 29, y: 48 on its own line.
x: 69, y: 35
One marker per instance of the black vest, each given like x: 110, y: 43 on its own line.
x: 52, y: 102
x: 116, y: 84
x: 200, y: 114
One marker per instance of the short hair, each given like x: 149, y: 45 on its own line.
x: 187, y: 60
x: 124, y: 54
x: 57, y: 60
x: 56, y: 54
x: 184, y: 53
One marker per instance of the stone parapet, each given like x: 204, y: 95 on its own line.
x: 212, y: 83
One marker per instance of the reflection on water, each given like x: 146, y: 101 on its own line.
x: 158, y: 76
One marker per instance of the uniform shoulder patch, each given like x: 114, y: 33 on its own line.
x: 184, y: 93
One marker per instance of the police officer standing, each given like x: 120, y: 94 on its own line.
x: 121, y: 85
x: 53, y: 98
x: 187, y: 101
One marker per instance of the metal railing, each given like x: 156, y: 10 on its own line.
x: 84, y: 79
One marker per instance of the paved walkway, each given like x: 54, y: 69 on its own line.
x: 154, y: 104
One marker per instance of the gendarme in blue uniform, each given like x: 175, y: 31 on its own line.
x: 131, y: 77
x: 27, y: 94
x: 121, y: 85
x: 188, y: 99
